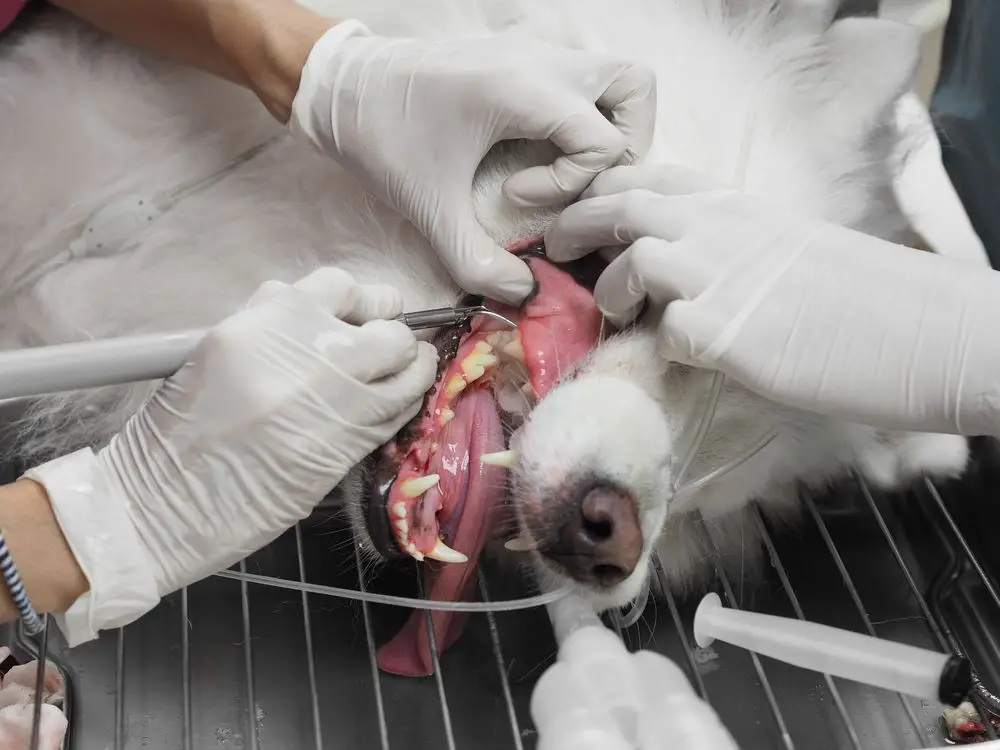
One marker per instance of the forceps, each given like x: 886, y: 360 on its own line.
x: 40, y: 370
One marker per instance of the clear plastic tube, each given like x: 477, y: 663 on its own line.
x: 507, y: 605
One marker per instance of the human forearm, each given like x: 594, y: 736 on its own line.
x: 48, y: 569
x: 259, y: 44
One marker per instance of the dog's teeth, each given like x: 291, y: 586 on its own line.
x: 417, y: 486
x: 445, y: 416
x: 507, y: 459
x: 443, y: 553
x: 403, y: 527
x: 483, y: 347
x: 498, y: 339
x: 514, y: 349
x: 434, y: 448
x: 453, y: 387
x: 519, y: 544
x: 528, y: 390
x: 476, y: 364
x: 413, y: 552
x: 400, y: 510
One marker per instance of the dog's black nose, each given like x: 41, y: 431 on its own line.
x: 602, y: 541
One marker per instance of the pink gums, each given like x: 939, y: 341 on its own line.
x: 558, y: 327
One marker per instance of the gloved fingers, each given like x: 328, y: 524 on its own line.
x: 612, y: 220
x: 590, y: 144
x: 477, y: 263
x: 631, y: 101
x: 398, y: 421
x: 396, y: 392
x: 685, y: 334
x: 666, y: 179
x: 381, y: 348
x: 647, y: 268
x: 338, y: 293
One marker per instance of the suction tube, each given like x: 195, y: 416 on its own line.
x: 842, y: 653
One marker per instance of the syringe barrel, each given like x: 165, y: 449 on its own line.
x: 842, y: 653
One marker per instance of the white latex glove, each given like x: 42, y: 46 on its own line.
x: 414, y: 119
x: 279, y: 402
x: 803, y: 312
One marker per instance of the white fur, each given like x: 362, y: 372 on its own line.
x: 769, y: 100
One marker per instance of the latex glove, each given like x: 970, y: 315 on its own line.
x: 803, y: 312
x: 278, y: 403
x: 414, y: 119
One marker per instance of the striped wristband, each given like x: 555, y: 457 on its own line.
x: 33, y: 624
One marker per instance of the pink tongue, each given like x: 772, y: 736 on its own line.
x: 475, y: 430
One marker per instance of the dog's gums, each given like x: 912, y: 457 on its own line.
x: 441, y: 505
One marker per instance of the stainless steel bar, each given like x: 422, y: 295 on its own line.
x: 43, y: 655
x: 383, y: 726
x: 904, y: 569
x: 675, y: 615
x: 501, y: 666
x: 987, y: 583
x: 248, y: 662
x: 853, y: 591
x: 186, y: 730
x: 438, y: 678
x: 765, y: 683
x: 120, y: 690
x: 794, y: 600
x: 310, y: 655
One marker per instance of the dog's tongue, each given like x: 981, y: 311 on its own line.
x: 479, y: 487
x: 556, y: 329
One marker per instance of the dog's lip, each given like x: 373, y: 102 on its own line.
x: 377, y: 520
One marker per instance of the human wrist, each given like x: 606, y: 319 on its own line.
x: 88, y: 506
x: 268, y: 42
x: 51, y: 575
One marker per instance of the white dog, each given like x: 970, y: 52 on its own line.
x: 142, y: 207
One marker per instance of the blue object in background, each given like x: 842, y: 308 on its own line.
x: 966, y: 111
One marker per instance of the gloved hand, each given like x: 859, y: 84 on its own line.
x: 802, y: 312
x: 414, y: 119
x: 279, y: 402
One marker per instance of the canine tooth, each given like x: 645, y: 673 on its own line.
x: 443, y: 553
x: 454, y: 386
x: 514, y: 349
x: 417, y: 486
x: 416, y: 554
x: 507, y: 459
x: 400, y: 510
x: 519, y: 544
x: 446, y: 416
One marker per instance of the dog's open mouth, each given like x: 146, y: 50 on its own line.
x: 436, y: 497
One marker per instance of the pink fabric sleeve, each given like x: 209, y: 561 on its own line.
x: 8, y: 10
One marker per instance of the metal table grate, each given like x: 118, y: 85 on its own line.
x: 264, y: 657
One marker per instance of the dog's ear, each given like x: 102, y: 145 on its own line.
x: 872, y: 63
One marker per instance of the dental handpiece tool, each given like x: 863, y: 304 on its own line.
x: 841, y: 653
x: 41, y: 370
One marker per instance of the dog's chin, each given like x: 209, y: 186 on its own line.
x: 602, y: 599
